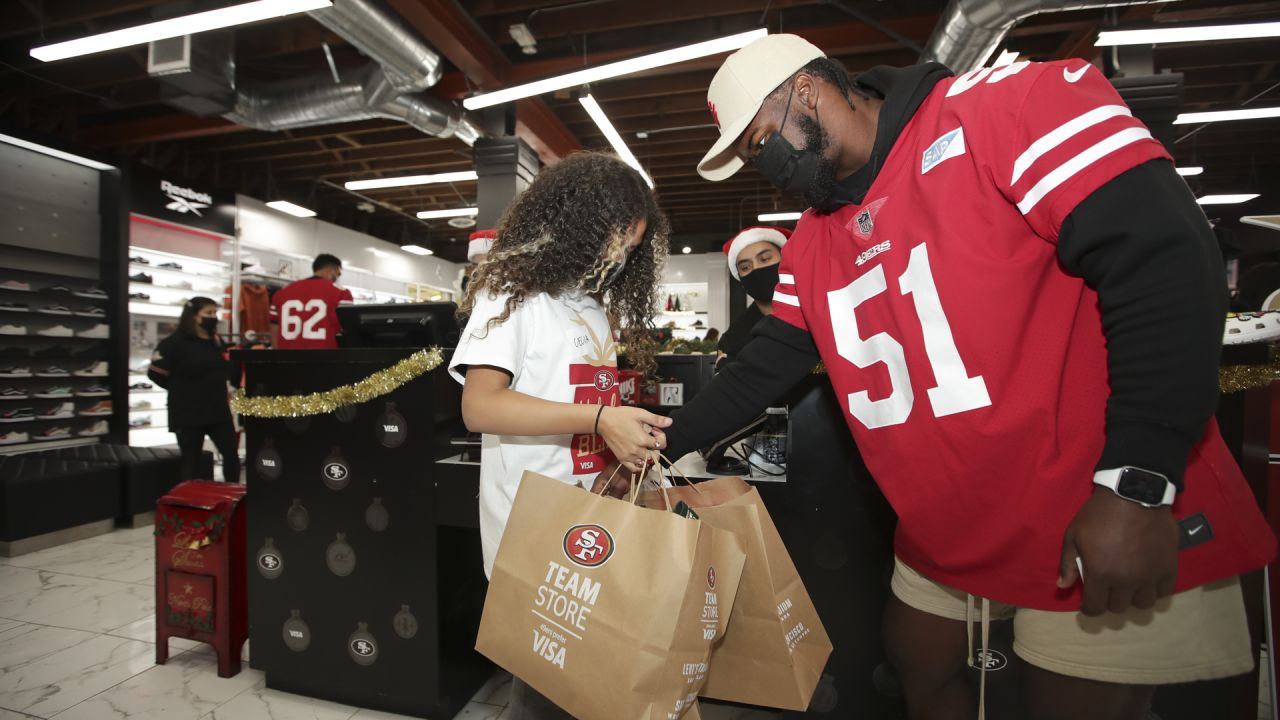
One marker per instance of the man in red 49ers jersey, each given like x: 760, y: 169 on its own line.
x: 1020, y: 307
x: 308, y: 308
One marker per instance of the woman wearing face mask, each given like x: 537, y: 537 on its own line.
x: 190, y: 364
x: 753, y: 256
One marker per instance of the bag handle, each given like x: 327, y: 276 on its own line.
x: 675, y: 470
x: 634, y: 494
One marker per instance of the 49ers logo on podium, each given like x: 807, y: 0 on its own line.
x: 589, y: 546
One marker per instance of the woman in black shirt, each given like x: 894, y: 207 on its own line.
x: 190, y: 364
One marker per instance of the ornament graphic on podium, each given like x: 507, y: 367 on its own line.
x: 362, y: 646
x: 270, y: 563
x: 340, y: 556
x: 376, y: 516
x: 345, y: 413
x: 296, y: 632
x: 269, y: 463
x: 392, y: 429
x: 298, y: 518
x: 405, y: 624
x: 335, y: 471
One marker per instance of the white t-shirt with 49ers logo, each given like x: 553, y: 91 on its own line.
x: 556, y: 348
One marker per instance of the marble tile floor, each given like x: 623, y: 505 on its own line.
x: 77, y: 631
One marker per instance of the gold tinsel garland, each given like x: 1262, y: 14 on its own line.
x: 1234, y: 378
x: 376, y: 385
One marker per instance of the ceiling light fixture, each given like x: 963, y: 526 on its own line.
x: 46, y: 150
x: 452, y: 212
x: 1190, y: 170
x: 1226, y: 199
x: 523, y: 36
x: 285, y: 206
x: 686, y: 249
x: 417, y: 249
x: 408, y: 180
x: 1222, y: 115
x: 176, y: 27
x: 611, y: 134
x: 1200, y: 33
x: 778, y: 216
x: 615, y: 69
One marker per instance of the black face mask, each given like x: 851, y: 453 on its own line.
x: 209, y: 325
x: 759, y: 283
x: 804, y: 172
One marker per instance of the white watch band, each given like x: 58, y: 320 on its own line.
x: 1110, y: 479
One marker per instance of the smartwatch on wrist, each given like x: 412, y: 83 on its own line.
x: 1144, y: 487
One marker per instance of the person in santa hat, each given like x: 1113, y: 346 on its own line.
x: 753, y: 256
x: 478, y: 246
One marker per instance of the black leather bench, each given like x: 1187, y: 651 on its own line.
x: 47, y: 501
x: 146, y: 474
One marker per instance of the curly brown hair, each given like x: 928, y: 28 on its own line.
x: 567, y: 232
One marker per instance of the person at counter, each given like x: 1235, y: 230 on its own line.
x: 753, y: 256
x: 192, y: 366
x: 308, y: 308
x: 537, y: 358
x: 1020, y: 306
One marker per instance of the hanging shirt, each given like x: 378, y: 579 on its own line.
x: 308, y: 311
x: 556, y: 348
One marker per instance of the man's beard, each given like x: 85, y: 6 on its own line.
x: 820, y: 195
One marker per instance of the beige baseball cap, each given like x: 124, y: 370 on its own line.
x: 739, y: 88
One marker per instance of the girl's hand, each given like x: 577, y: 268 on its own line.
x: 626, y: 430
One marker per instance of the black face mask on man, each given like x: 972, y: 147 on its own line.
x: 804, y: 172
x: 209, y: 325
x: 759, y: 283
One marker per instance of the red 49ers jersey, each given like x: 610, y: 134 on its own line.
x: 971, y: 368
x: 308, y: 311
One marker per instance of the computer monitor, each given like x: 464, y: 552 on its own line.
x: 399, y: 325
x: 718, y: 463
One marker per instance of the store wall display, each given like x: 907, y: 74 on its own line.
x: 174, y: 199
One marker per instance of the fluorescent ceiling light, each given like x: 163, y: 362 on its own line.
x: 1191, y: 170
x: 452, y: 212
x: 55, y: 153
x: 1201, y: 33
x: 1221, y: 115
x: 416, y: 250
x: 408, y: 180
x: 615, y: 69
x: 778, y: 216
x: 602, y: 121
x: 375, y: 251
x: 1226, y: 199
x: 176, y: 27
x: 1006, y: 58
x: 285, y: 206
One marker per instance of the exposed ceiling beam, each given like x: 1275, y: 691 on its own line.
x: 157, y: 129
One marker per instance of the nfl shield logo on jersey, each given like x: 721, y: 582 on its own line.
x: 865, y: 225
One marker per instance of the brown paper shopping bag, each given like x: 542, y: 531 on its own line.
x: 608, y: 608
x: 775, y: 648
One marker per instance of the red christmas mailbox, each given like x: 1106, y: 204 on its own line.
x: 200, y: 570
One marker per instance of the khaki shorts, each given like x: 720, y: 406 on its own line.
x: 1197, y: 634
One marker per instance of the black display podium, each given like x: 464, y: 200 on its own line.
x: 365, y: 582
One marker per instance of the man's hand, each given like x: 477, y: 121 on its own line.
x: 618, y: 477
x: 1129, y: 553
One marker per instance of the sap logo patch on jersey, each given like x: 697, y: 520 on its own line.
x: 944, y: 148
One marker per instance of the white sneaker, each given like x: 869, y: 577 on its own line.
x: 101, y: 331
x: 13, y: 330
x: 141, y: 405
x: 1251, y: 327
x: 54, y: 392
x: 15, y: 371
x: 56, y: 331
x: 61, y: 412
x: 15, y: 285
x: 54, y: 433
x: 13, y: 438
x: 94, y: 391
x: 98, y: 369
x: 98, y: 428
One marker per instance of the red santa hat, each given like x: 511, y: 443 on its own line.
x: 480, y: 243
x: 750, y: 236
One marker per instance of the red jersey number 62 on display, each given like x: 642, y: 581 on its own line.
x: 299, y: 320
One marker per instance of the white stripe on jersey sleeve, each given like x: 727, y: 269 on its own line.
x: 786, y: 279
x: 1062, y: 133
x: 786, y: 299
x: 1069, y: 168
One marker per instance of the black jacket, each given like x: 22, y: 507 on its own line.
x: 196, y: 374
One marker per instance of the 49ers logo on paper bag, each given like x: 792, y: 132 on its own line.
x: 588, y: 546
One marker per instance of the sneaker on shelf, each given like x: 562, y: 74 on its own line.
x: 55, y: 351
x: 139, y: 260
x: 59, y: 412
x: 141, y: 278
x: 15, y: 371
x: 101, y: 331
x: 13, y: 329
x: 53, y: 371
x: 139, y: 296
x: 97, y: 409
x: 98, y: 369
x: 14, y: 351
x: 15, y: 285
x: 255, y: 269
x: 56, y: 331
x: 140, y: 422
x: 93, y: 312
x: 13, y: 393
x: 13, y: 438
x: 59, y: 391
x: 1251, y: 327
x: 14, y: 307
x: 98, y: 428
x: 93, y: 292
x: 59, y: 288
x: 184, y: 285
x: 170, y: 266
x: 17, y: 415
x: 141, y: 386
x: 54, y: 309
x: 94, y: 391
x: 140, y: 405
x: 53, y: 433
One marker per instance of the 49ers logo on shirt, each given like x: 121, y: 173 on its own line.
x: 588, y: 546
x: 604, y: 380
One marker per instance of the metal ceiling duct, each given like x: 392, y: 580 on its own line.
x: 410, y: 64
x: 969, y: 30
